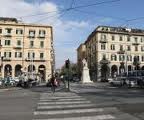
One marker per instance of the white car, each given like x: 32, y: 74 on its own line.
x: 116, y: 82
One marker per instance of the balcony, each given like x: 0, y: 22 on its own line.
x: 6, y: 59
x: 17, y: 47
x: 31, y: 36
x: 41, y: 36
x: 121, y: 52
x: 7, y: 35
x: 34, y: 60
x: 135, y: 43
x: 103, y: 41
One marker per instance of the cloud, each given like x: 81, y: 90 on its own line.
x: 66, y: 32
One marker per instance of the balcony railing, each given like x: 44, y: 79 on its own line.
x: 35, y: 60
x: 17, y: 47
x: 6, y: 59
x: 31, y: 36
x: 135, y: 43
x: 121, y: 52
x: 103, y: 41
x: 7, y: 35
x: 41, y: 36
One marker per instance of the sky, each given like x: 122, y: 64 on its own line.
x: 71, y: 27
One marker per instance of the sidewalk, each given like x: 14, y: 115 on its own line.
x: 8, y: 89
x: 87, y: 87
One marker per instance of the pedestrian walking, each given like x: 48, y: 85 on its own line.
x: 53, y: 83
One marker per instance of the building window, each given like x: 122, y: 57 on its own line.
x: 19, y: 31
x: 136, y: 48
x: 7, y: 54
x: 41, y: 44
x: 136, y: 39
x: 32, y: 33
x: 121, y: 57
x: 103, y: 46
x: 18, y: 42
x: 142, y: 48
x: 113, y: 37
x: 128, y: 48
x: 18, y: 54
x: 120, y: 38
x: 31, y: 44
x: 41, y: 55
x: 112, y: 47
x: 7, y: 42
x: 141, y: 39
x: 129, y: 58
x: 0, y: 31
x: 121, y: 47
x: 42, y: 33
x: 103, y: 36
x: 8, y: 30
x: 31, y: 55
x: 128, y: 38
x: 142, y: 58
x: 113, y: 57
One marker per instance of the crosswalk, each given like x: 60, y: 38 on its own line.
x: 70, y: 106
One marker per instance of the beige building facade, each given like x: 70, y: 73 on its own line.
x: 25, y: 47
x: 114, y: 50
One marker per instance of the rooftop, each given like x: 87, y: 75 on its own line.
x: 8, y: 19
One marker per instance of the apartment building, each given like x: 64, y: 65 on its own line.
x: 25, y: 48
x: 114, y: 50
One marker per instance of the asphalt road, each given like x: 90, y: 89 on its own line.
x: 17, y: 104
x: 24, y: 104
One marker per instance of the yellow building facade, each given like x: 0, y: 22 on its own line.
x: 25, y: 47
x: 114, y: 50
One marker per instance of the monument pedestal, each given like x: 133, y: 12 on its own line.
x: 85, y: 76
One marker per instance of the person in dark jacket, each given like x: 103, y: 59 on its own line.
x: 53, y: 83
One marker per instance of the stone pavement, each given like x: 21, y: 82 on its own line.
x: 71, y: 106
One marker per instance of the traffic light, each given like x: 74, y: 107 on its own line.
x: 67, y: 64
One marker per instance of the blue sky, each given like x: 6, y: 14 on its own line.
x: 72, y: 27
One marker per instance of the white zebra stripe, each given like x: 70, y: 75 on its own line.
x: 97, y: 117
x: 63, y: 102
x: 71, y: 111
x: 72, y: 99
x: 67, y: 106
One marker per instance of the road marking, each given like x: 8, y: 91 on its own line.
x: 67, y: 106
x: 71, y: 111
x: 97, y: 117
x: 60, y: 97
x: 63, y: 99
x: 63, y: 102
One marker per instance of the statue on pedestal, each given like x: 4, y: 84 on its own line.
x: 84, y: 63
x: 85, y: 73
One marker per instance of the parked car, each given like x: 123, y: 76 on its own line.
x: 116, y: 82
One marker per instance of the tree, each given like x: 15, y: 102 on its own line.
x: 104, y: 68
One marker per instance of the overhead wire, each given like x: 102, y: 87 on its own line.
x: 86, y: 12
x: 70, y: 8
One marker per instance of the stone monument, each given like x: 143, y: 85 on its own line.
x: 85, y: 73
